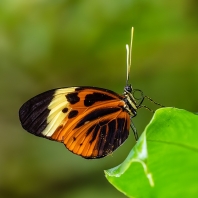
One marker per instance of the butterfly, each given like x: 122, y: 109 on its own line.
x: 91, y: 122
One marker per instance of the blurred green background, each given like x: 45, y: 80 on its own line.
x: 46, y: 44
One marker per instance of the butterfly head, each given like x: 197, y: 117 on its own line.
x: 128, y: 89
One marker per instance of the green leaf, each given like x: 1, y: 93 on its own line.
x: 164, y: 162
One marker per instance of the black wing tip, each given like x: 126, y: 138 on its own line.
x: 33, y: 113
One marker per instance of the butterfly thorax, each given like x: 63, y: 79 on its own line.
x: 130, y: 102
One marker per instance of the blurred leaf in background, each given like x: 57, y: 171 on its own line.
x: 46, y: 44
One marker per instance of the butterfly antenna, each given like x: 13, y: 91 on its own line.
x: 129, y: 55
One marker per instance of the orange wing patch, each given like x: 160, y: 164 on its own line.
x: 91, y: 122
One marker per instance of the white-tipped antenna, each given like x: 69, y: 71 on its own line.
x: 129, y: 55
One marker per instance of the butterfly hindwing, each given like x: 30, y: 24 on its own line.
x: 90, y: 121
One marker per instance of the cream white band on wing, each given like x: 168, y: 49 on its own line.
x: 56, y: 116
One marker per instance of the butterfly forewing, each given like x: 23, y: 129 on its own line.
x: 91, y: 122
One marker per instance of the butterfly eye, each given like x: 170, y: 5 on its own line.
x: 128, y: 88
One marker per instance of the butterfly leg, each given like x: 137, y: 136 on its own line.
x: 143, y: 106
x: 134, y: 131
